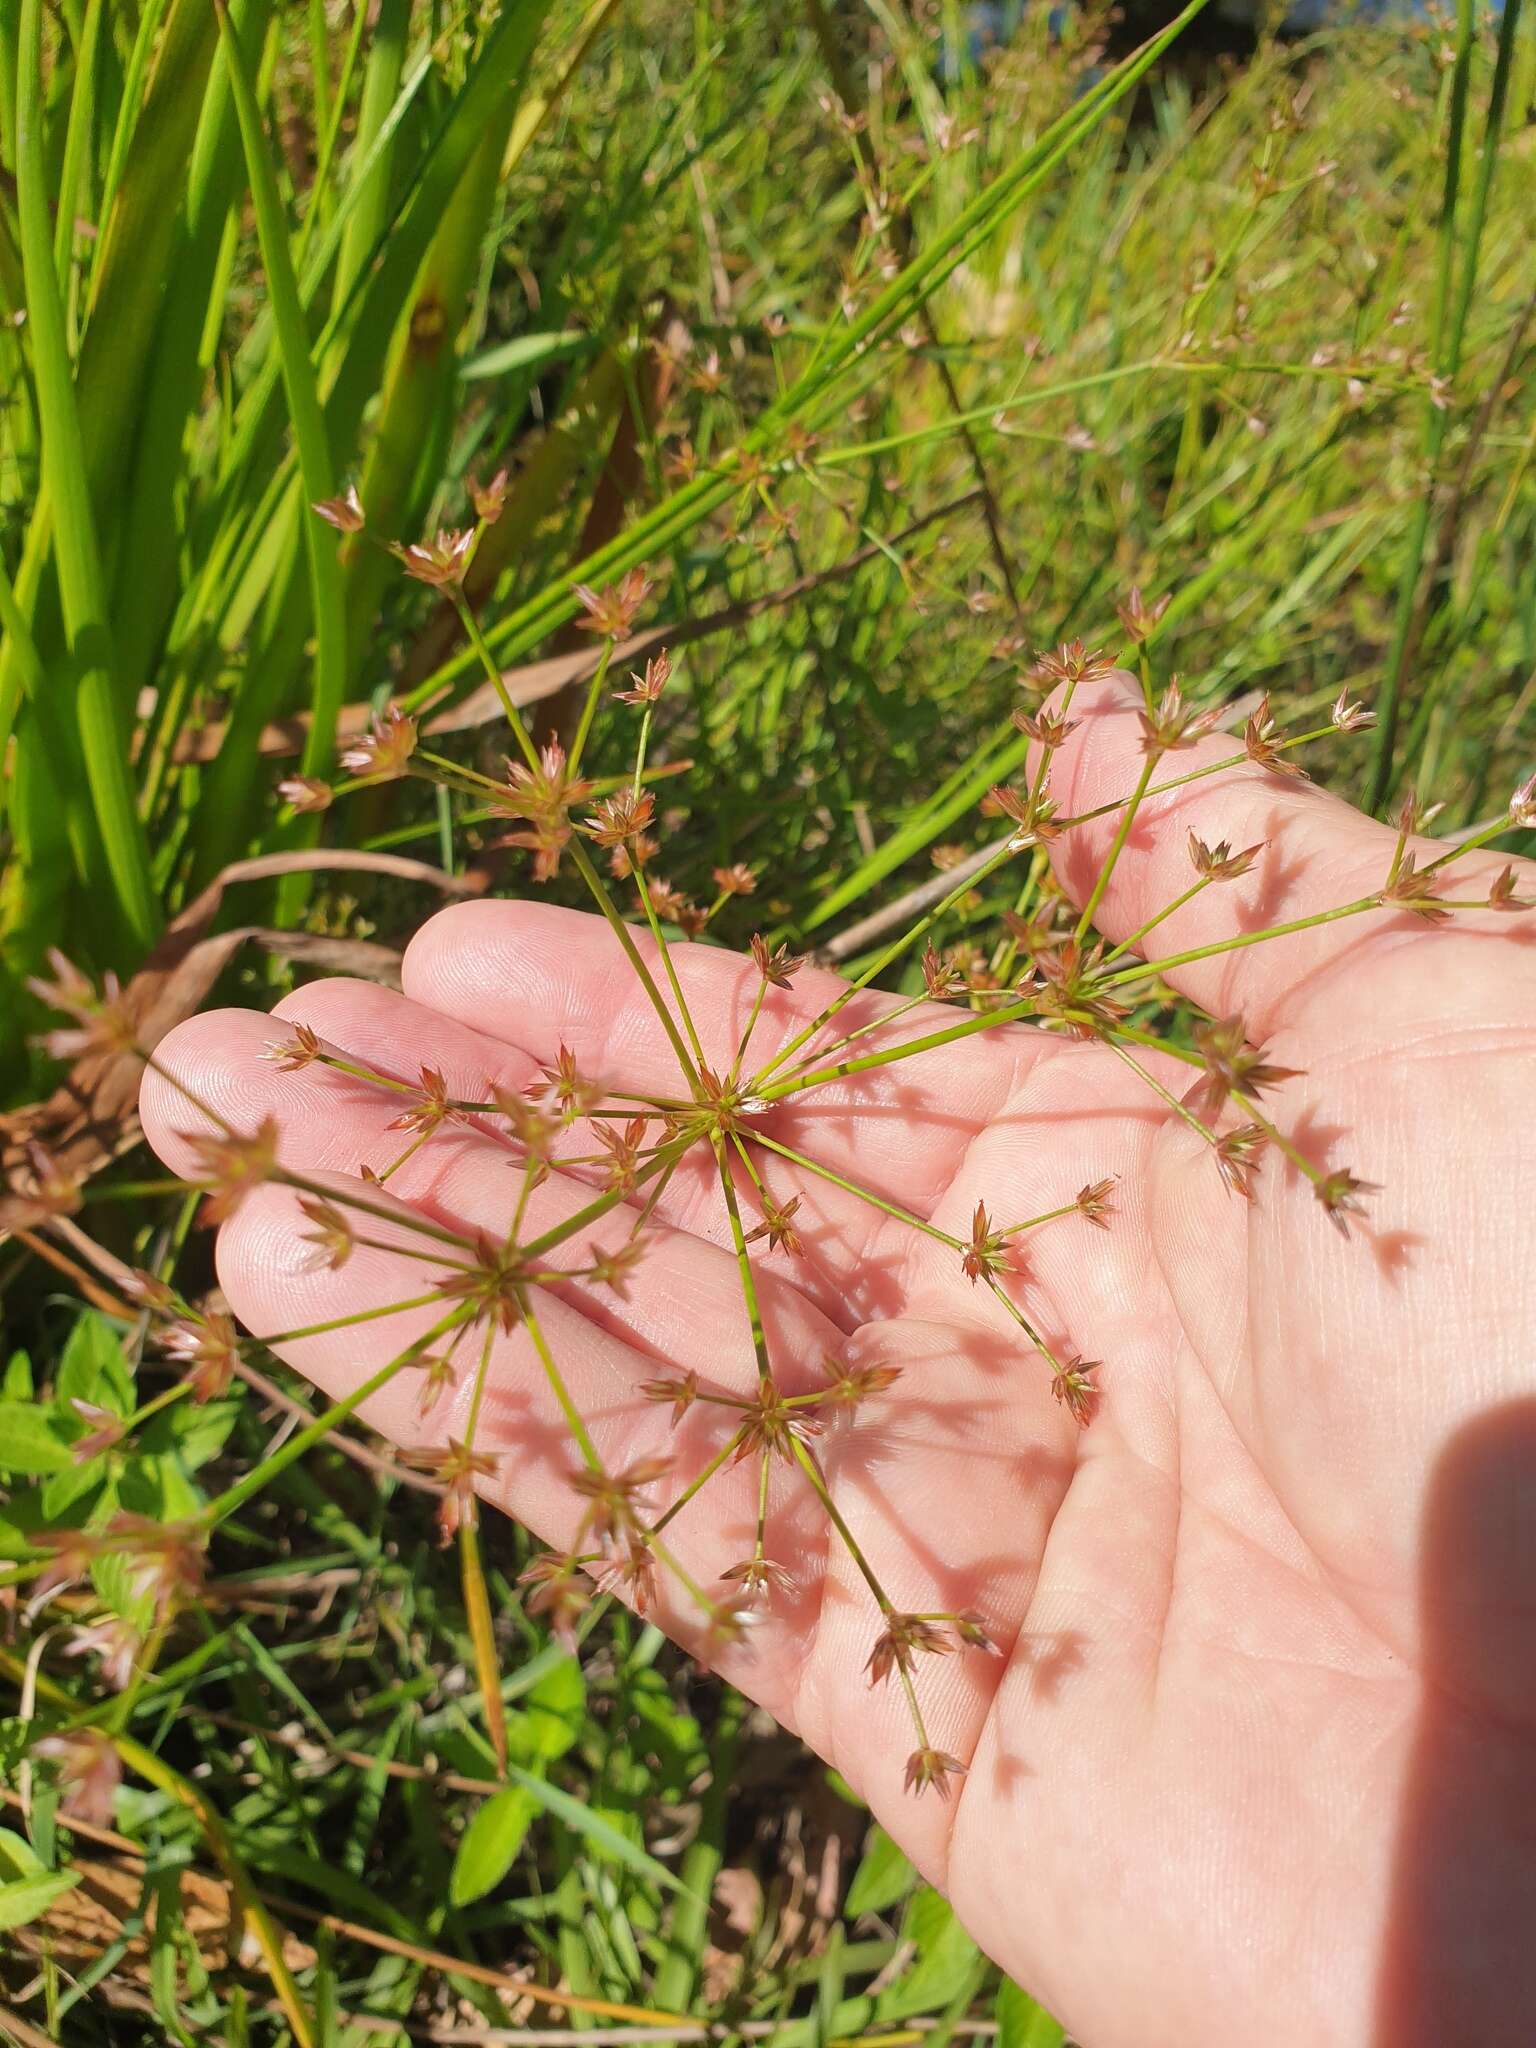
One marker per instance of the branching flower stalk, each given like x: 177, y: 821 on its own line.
x: 1047, y: 972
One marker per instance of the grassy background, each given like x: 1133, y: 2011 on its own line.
x: 1261, y: 340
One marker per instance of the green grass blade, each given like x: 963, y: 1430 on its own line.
x: 82, y: 593
x: 303, y: 405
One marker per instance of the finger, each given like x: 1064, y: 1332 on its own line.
x: 1316, y: 855
x: 542, y: 977
x: 682, y: 1308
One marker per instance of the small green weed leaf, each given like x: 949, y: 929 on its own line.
x: 30, y: 1897
x: 883, y: 1877
x: 551, y: 1716
x: 490, y: 1843
x: 191, y: 1432
x: 94, y: 1368
x: 1021, y: 2022
x: 17, y: 1384
x: 32, y: 1439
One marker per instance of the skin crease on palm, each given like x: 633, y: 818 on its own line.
x: 1197, y: 1808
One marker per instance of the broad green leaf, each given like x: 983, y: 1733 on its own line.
x: 32, y: 1439
x: 18, y: 1858
x: 1021, y: 2023
x: 30, y: 1897
x: 18, y: 1383
x: 883, y: 1877
x: 551, y: 1716
x: 490, y: 1843
x: 946, y: 1955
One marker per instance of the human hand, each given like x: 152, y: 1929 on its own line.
x: 1257, y: 1756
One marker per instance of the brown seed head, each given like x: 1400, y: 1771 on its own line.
x: 1174, y: 722
x: 209, y: 1350
x: 1262, y: 742
x: 932, y: 1767
x: 1219, y: 863
x: 1073, y: 1386
x: 777, y: 966
x: 901, y: 1642
x: 647, y: 688
x: 543, y: 796
x: 1343, y: 1196
x: 490, y: 498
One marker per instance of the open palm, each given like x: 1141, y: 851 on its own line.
x: 1257, y: 1759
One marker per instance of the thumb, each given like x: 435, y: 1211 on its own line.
x: 1314, y: 854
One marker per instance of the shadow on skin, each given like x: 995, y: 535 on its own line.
x: 1460, y: 1959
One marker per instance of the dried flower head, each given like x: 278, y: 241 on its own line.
x: 1232, y: 1066
x: 431, y: 1106
x: 932, y: 1767
x: 385, y: 750
x: 306, y: 793
x: 679, y: 1390
x: 1049, y: 729
x: 103, y: 1431
x: 1174, y: 722
x: 1137, y: 616
x: 738, y: 880
x: 1262, y: 743
x: 943, y: 978
x: 778, y: 1226
x: 647, y: 688
x: 103, y: 1024
x: 544, y: 796
x: 114, y: 1642
x: 443, y: 561
x: 1522, y: 804
x: 560, y: 1591
x: 208, y: 1347
x: 985, y: 1252
x: 456, y: 1468
x: 1032, y: 815
x: 1093, y: 1201
x: 42, y: 1190
x: 298, y: 1050
x: 1239, y: 1157
x: 1349, y: 716
x: 90, y: 1771
x: 1501, y: 893
x: 489, y: 498
x: 612, y: 612
x: 331, y: 1240
x: 849, y: 1385
x: 1342, y: 1196
x: 344, y: 513
x: 1072, y: 1384
x: 1416, y: 893
x: 1072, y: 662
x: 232, y: 1164
x: 615, y: 1501
x: 904, y: 1638
x: 623, y: 816
x: 759, y: 1577
x: 1219, y: 863
x: 778, y: 966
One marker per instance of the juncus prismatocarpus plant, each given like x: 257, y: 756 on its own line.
x: 735, y: 1279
